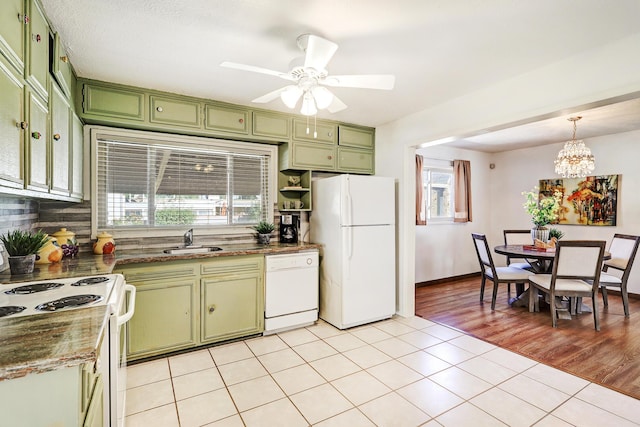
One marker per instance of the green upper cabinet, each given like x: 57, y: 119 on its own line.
x: 355, y: 160
x: 37, y: 164
x: 11, y: 128
x: 61, y: 134
x: 113, y: 104
x: 271, y: 126
x: 315, y: 131
x: 61, y: 67
x: 13, y: 22
x: 77, y: 158
x: 351, y: 136
x: 38, y: 48
x: 307, y: 155
x: 225, y: 119
x: 174, y: 111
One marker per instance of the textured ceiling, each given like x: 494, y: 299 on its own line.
x: 437, y: 49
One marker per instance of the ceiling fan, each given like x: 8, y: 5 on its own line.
x: 310, y: 77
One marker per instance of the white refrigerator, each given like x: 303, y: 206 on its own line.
x: 353, y: 218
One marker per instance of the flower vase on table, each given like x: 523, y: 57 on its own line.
x: 543, y: 211
x: 540, y: 233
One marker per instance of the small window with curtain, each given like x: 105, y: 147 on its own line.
x: 438, y: 191
x: 146, y: 183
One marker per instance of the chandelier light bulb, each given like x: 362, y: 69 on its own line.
x: 322, y: 96
x: 575, y: 159
x: 291, y: 95
x: 308, y: 105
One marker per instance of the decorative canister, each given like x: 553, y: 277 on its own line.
x: 50, y: 252
x: 104, y: 244
x: 67, y: 241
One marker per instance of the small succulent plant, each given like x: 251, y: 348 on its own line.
x: 21, y: 242
x: 554, y: 232
x: 264, y: 227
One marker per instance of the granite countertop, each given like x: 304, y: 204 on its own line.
x: 43, y: 342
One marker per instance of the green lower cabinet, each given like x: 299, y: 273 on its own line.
x: 184, y: 304
x: 164, y: 319
x: 95, y: 410
x: 232, y: 307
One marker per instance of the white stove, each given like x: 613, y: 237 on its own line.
x: 47, y: 296
x: 50, y: 296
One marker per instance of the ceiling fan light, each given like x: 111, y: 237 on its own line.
x: 291, y: 95
x: 322, y: 96
x: 308, y: 105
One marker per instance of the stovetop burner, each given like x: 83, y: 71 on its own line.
x: 33, y: 288
x: 68, y: 302
x: 90, y: 281
x: 11, y: 309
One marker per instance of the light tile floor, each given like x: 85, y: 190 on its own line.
x: 397, y: 372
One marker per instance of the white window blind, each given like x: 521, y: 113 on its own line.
x: 151, y: 184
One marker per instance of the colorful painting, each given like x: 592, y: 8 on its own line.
x: 592, y: 200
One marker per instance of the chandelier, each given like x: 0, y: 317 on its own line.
x: 575, y: 159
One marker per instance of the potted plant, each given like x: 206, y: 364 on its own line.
x: 22, y: 247
x: 554, y: 232
x: 543, y: 211
x: 264, y: 230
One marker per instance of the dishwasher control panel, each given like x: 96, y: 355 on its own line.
x: 291, y: 261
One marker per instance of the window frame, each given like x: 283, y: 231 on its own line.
x: 441, y: 167
x: 94, y: 133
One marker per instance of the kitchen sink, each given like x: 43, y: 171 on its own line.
x: 184, y: 250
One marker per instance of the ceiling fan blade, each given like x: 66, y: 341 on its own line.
x: 319, y: 52
x: 254, y: 69
x: 270, y: 96
x: 336, y: 105
x: 366, y: 81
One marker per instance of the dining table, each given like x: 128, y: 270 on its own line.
x: 540, y: 262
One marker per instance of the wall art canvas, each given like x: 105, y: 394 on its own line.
x: 592, y: 200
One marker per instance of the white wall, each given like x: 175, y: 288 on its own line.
x: 605, y: 72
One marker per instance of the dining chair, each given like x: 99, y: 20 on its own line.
x: 517, y: 237
x: 623, y: 251
x: 496, y: 274
x: 576, y: 274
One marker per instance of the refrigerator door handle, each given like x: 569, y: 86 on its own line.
x: 349, y: 203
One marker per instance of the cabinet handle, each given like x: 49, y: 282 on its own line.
x: 36, y: 135
x: 36, y: 38
x: 22, y: 125
x: 329, y: 157
x: 241, y: 121
x: 56, y: 136
x: 159, y: 109
x: 23, y: 18
x: 212, y: 308
x: 329, y: 134
x: 64, y: 59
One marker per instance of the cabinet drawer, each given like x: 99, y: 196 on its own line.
x: 356, y: 137
x: 308, y: 155
x: 355, y: 160
x: 113, y: 103
x: 153, y: 272
x: 232, y: 265
x: 272, y: 126
x: 226, y: 119
x: 170, y: 111
x: 326, y: 132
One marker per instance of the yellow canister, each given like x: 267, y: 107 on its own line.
x: 105, y: 244
x: 50, y: 252
x: 67, y: 241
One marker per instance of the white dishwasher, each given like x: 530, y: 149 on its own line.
x: 291, y: 291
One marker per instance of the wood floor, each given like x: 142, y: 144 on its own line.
x: 610, y: 357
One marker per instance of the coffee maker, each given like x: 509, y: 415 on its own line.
x: 289, y: 226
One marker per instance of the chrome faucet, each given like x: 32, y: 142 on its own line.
x: 188, y: 238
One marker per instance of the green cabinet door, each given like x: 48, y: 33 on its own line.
x: 77, y: 156
x: 271, y: 126
x: 164, y: 319
x: 12, y: 29
x: 60, y: 143
x: 314, y: 156
x: 36, y: 144
x: 11, y: 132
x: 225, y: 119
x: 113, y: 104
x: 325, y: 132
x: 174, y: 111
x: 38, y: 46
x: 355, y: 160
x: 351, y: 136
x: 231, y: 307
x: 61, y: 67
x: 95, y: 411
